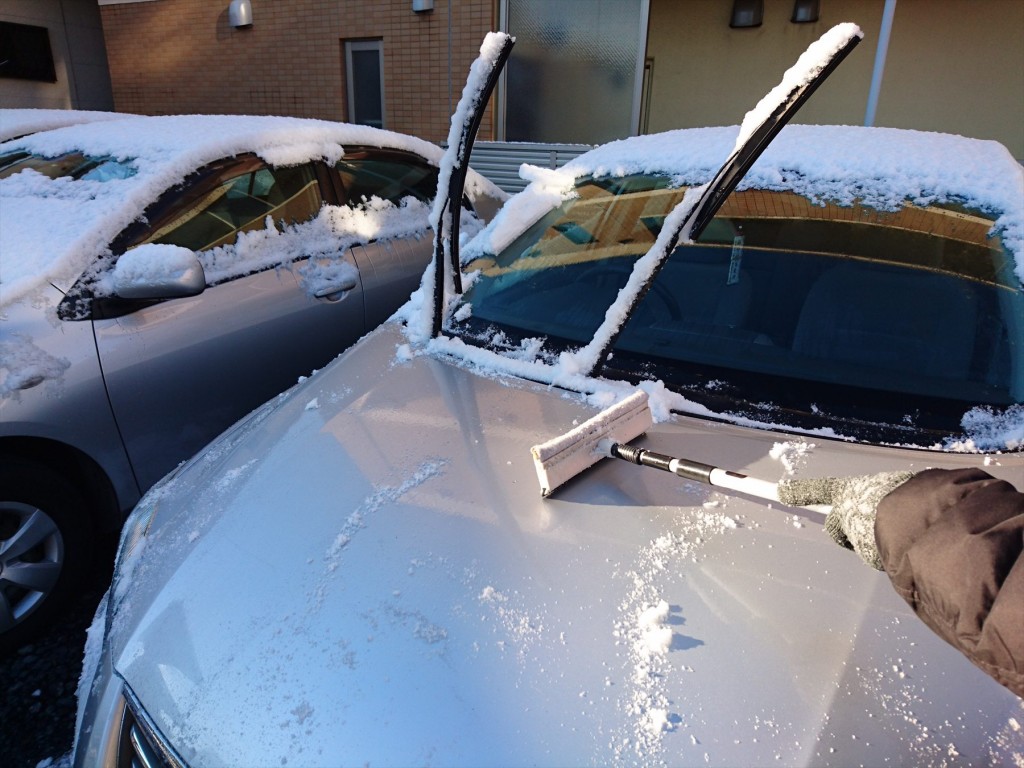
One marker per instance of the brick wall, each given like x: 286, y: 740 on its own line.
x: 182, y: 56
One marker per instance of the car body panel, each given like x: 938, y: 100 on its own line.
x: 65, y: 365
x: 389, y: 271
x: 178, y: 371
x: 397, y: 600
x: 256, y: 211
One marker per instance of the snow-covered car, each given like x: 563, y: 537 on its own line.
x: 15, y: 123
x: 365, y: 570
x: 162, y: 277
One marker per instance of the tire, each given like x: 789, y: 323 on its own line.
x: 46, y: 549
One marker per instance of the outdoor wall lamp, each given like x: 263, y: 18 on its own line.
x: 805, y: 11
x: 747, y: 13
x: 240, y: 14
x: 422, y: 6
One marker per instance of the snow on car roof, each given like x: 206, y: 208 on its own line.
x: 882, y: 167
x: 50, y: 230
x: 18, y: 122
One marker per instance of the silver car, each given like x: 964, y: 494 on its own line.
x: 161, y: 278
x: 364, y: 571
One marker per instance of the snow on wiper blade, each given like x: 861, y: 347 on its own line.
x: 689, y: 218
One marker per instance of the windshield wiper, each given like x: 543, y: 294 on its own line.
x: 483, y: 76
x: 756, y: 133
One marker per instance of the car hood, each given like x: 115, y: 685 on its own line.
x: 366, y: 572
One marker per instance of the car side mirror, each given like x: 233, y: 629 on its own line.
x: 158, y: 271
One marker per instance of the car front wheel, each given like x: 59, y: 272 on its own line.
x: 44, y: 549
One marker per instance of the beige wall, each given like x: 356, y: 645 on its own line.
x: 952, y: 65
x: 957, y: 66
x: 182, y: 56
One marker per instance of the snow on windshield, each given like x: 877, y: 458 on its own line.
x: 53, y: 229
x: 878, y: 167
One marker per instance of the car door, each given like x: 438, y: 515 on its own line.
x: 180, y: 371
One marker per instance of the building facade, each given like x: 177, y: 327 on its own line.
x: 52, y: 55
x: 583, y: 71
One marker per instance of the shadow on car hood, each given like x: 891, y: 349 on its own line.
x: 369, y: 574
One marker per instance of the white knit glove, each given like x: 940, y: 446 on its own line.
x: 851, y: 523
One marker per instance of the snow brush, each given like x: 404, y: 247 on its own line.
x: 605, y: 436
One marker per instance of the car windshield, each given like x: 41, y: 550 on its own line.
x: 888, y: 323
x: 74, y: 165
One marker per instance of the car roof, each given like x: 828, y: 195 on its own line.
x: 20, y: 122
x: 881, y: 167
x: 178, y: 138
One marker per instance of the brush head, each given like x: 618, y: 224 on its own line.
x: 563, y: 457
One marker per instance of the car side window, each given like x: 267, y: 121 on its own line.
x: 239, y: 202
x: 389, y: 175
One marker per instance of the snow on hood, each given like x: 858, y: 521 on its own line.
x: 19, y: 122
x: 430, y: 607
x: 50, y: 230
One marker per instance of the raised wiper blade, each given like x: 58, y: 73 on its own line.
x: 483, y: 76
x: 763, y: 123
x: 759, y: 127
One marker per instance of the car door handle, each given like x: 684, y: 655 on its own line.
x: 334, y: 291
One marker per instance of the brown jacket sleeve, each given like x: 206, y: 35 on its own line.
x: 951, y: 542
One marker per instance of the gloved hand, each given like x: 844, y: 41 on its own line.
x: 851, y: 523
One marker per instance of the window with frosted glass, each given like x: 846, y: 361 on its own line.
x: 572, y: 76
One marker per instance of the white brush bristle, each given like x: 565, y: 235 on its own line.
x: 565, y: 456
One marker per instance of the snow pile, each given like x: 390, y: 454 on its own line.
x: 18, y: 122
x: 154, y: 263
x: 987, y: 430
x: 324, y: 240
x: 656, y: 636
x: 792, y: 454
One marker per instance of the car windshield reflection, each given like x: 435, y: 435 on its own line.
x: 769, y: 309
